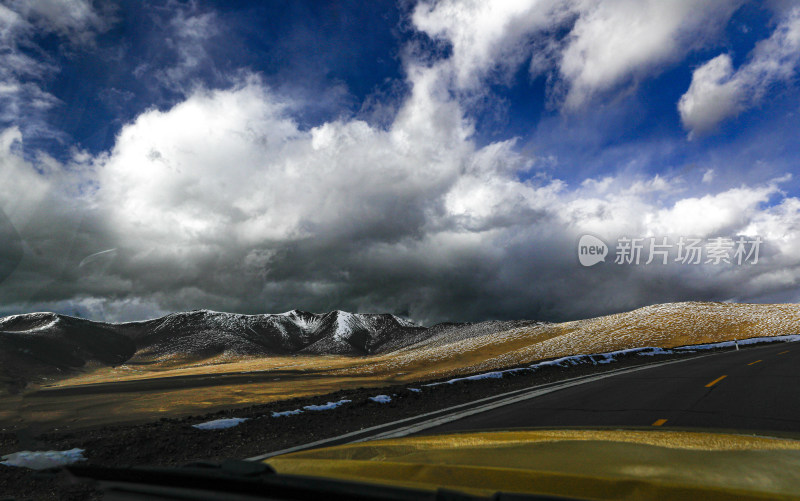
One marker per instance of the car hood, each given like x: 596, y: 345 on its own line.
x: 583, y: 464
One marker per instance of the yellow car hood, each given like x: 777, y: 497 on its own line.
x: 585, y: 464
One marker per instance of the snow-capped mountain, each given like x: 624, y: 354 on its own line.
x: 48, y: 343
x: 205, y: 333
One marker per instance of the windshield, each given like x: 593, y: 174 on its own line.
x: 234, y: 230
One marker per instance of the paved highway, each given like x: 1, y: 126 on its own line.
x: 751, y: 389
x: 755, y: 388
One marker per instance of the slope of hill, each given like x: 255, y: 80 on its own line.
x: 664, y: 325
x: 45, y: 343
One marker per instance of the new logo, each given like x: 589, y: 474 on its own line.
x: 591, y: 250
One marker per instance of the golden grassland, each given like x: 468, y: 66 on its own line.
x: 279, y: 378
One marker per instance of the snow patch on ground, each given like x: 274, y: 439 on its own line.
x: 287, y: 413
x: 606, y: 358
x: 328, y: 406
x: 220, y: 424
x: 381, y: 399
x: 42, y: 460
x: 752, y: 340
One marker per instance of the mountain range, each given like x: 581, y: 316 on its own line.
x: 39, y: 344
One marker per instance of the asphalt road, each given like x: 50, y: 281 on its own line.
x: 752, y: 389
x: 756, y: 388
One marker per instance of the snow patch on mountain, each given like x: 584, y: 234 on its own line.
x: 345, y: 324
x: 29, y: 322
x: 404, y: 323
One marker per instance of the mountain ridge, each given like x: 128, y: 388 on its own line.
x: 39, y: 344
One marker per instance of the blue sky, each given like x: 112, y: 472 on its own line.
x: 307, y: 50
x: 433, y: 159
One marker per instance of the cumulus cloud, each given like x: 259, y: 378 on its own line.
x: 591, y: 46
x: 718, y: 92
x: 612, y: 42
x: 487, y: 35
x: 712, y: 97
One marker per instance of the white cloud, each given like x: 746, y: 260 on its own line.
x: 608, y: 43
x: 15, y: 65
x: 723, y: 213
x: 487, y: 35
x: 614, y: 41
x: 24, y: 67
x: 10, y: 24
x: 712, y: 96
x: 18, y: 177
x: 77, y: 20
x: 231, y: 164
x: 718, y: 93
x: 190, y: 35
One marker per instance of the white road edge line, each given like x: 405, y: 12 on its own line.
x: 528, y: 393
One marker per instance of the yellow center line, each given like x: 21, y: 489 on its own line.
x: 753, y: 363
x: 659, y: 422
x: 712, y: 383
x: 781, y: 353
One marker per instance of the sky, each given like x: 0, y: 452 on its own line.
x: 439, y: 160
